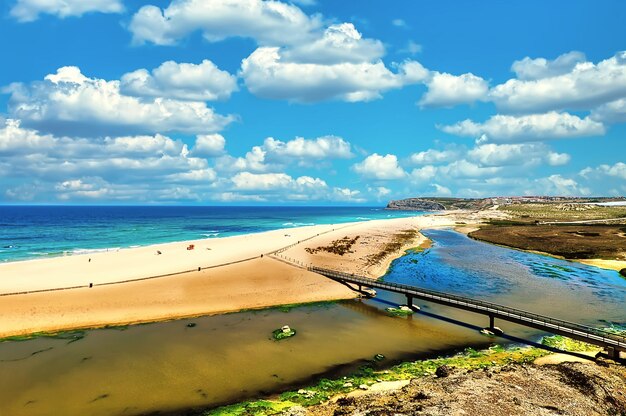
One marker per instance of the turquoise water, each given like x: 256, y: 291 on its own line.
x: 28, y: 232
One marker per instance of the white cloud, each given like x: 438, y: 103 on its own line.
x: 346, y: 195
x: 340, y: 43
x: 209, y: 145
x: 559, y: 185
x: 267, y: 22
x: 441, y: 190
x: 492, y: 154
x: 533, y: 69
x: 612, y: 112
x: 70, y: 103
x: 128, y: 167
x: 465, y: 169
x: 267, y: 75
x: 29, y: 10
x: 424, y: 174
x: 584, y: 86
x: 380, y: 167
x: 379, y: 192
x: 618, y: 170
x: 447, y: 90
x: 432, y: 156
x: 275, y: 154
x: 534, y: 127
x: 254, y: 161
x: 325, y: 147
x: 182, y: 81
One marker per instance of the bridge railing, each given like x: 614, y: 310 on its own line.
x: 571, y: 327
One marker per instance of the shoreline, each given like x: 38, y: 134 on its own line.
x: 137, y: 286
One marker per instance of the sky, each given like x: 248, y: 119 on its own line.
x: 309, y: 102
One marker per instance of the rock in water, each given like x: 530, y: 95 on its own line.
x: 623, y: 272
x: 415, y: 204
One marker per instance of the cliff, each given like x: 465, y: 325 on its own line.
x: 415, y: 204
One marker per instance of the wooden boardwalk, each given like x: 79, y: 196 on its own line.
x: 612, y: 343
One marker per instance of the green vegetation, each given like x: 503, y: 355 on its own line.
x: 564, y: 212
x: 283, y: 333
x: 339, y: 247
x: 567, y: 344
x: 399, y: 311
x: 70, y: 336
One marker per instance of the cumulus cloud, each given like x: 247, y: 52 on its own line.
x: 182, y: 81
x: 447, y: 90
x: 380, y: 167
x: 534, y: 127
x: 533, y: 69
x: 261, y: 181
x: 340, y: 43
x: 69, y: 103
x: 267, y: 75
x: 559, y: 185
x: 135, y: 168
x: 433, y: 156
x: 267, y: 22
x: 566, y: 83
x: 612, y: 112
x: 275, y: 154
x: 492, y: 154
x: 326, y: 147
x: 209, y: 145
x: 618, y: 170
x: 29, y: 10
x: 441, y: 190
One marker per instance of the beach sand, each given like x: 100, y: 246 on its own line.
x: 233, y: 276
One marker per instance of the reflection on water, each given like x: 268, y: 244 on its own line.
x: 168, y: 366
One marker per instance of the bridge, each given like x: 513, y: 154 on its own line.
x: 612, y: 343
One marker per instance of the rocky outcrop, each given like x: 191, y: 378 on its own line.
x: 623, y: 272
x: 574, y: 389
x: 415, y: 204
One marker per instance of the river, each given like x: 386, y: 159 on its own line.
x: 170, y: 366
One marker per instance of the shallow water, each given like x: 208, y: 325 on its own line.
x: 169, y: 366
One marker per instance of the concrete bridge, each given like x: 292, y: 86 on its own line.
x: 612, y: 343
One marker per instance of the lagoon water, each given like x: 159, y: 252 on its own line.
x: 169, y: 366
x: 28, y: 232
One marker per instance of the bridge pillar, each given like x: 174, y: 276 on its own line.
x: 491, y: 322
x: 409, y: 301
x: 612, y: 353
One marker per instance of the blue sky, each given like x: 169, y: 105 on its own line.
x: 310, y: 101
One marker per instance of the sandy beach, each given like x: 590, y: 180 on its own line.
x: 138, y: 285
x: 241, y: 272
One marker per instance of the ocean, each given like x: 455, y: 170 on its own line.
x: 30, y: 232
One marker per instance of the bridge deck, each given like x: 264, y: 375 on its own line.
x: 580, y: 332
